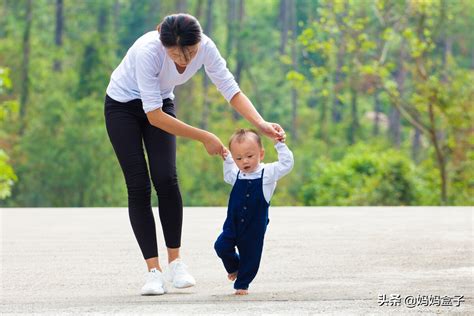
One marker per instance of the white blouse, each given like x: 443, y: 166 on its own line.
x: 148, y: 73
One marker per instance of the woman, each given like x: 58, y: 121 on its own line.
x: 139, y: 110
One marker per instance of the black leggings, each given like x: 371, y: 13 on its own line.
x: 128, y: 129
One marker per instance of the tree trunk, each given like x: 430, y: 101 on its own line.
x: 416, y: 145
x: 284, y: 25
x: 394, y: 116
x: 240, y: 60
x: 337, y: 105
x: 155, y: 16
x: 440, y: 156
x: 181, y: 6
x: 294, y: 60
x: 447, y: 51
x: 377, y: 110
x: 25, y: 68
x: 102, y: 23
x: 58, y: 34
x: 258, y: 100
x: 207, y: 30
x: 446, y: 42
x: 355, y: 120
x: 472, y: 57
x: 394, y: 127
x: 239, y: 55
x: 116, y: 16
x: 330, y: 100
x: 231, y: 25
x: 199, y: 10
x: 323, y: 123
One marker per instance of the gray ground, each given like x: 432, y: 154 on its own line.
x: 316, y: 261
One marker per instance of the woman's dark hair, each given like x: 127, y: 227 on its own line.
x: 179, y: 30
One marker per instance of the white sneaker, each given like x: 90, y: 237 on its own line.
x: 154, y: 284
x: 178, y: 275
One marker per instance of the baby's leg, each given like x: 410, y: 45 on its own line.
x: 225, y: 249
x: 250, y: 251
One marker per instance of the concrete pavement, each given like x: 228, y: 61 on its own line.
x: 317, y: 260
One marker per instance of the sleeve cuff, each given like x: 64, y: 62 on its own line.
x: 280, y: 145
x: 228, y: 95
x: 229, y: 159
x: 149, y: 108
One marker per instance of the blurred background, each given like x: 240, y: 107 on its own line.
x: 376, y: 96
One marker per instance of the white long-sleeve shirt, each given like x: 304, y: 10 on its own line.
x: 273, y: 171
x: 148, y: 73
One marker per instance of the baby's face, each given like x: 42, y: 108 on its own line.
x: 247, y: 154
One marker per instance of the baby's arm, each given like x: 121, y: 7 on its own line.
x: 285, y: 161
x: 230, y: 168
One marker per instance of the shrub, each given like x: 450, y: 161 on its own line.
x: 365, y: 176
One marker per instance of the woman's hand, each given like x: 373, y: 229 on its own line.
x: 214, y: 145
x: 272, y: 130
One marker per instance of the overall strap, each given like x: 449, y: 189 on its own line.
x: 262, y: 173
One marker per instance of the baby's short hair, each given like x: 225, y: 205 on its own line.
x: 242, y: 134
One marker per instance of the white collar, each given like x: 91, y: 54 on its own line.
x: 257, y: 171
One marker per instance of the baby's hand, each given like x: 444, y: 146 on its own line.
x: 225, y: 153
x: 280, y: 140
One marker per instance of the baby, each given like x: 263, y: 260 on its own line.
x: 247, y: 214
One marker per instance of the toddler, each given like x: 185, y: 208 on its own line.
x: 247, y: 215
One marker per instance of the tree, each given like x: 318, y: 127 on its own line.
x: 7, y: 111
x: 25, y: 73
x: 429, y: 108
x: 58, y: 35
x: 208, y: 29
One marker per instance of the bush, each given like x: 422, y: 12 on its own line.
x: 365, y: 176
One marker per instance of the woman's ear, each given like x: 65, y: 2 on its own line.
x: 158, y: 28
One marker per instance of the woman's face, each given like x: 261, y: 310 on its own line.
x: 182, y: 56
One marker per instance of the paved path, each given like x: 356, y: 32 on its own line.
x: 316, y: 261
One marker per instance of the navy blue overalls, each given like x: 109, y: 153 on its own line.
x: 244, y: 228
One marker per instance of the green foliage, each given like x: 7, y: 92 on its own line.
x: 7, y: 110
x: 345, y: 51
x: 69, y: 158
x: 7, y: 176
x: 365, y: 176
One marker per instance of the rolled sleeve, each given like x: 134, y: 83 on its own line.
x: 284, y: 164
x: 221, y: 77
x: 230, y: 170
x: 147, y: 69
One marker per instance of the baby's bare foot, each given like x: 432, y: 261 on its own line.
x: 232, y: 276
x: 241, y: 292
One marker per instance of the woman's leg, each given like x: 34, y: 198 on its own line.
x: 161, y: 150
x: 124, y: 124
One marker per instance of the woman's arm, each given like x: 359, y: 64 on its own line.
x: 160, y: 119
x: 220, y: 75
x: 244, y: 106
